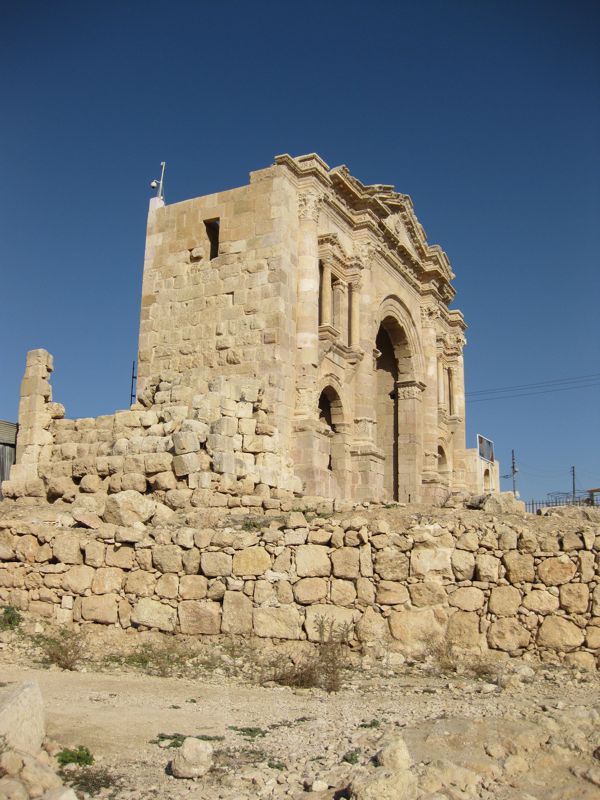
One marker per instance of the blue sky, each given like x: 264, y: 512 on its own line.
x: 486, y: 113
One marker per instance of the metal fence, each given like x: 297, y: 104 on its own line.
x: 533, y: 506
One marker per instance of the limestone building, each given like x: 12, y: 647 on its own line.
x: 326, y: 290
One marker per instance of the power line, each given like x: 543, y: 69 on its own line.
x: 540, y: 384
x: 530, y: 394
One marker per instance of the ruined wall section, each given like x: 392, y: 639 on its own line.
x: 229, y: 314
x: 184, y: 449
x: 468, y: 580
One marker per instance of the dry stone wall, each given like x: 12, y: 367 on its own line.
x: 391, y: 580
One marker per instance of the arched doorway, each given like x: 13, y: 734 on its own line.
x: 332, y: 456
x: 387, y: 410
x: 443, y: 466
x: 487, y: 481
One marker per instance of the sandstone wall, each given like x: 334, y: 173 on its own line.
x: 185, y: 448
x: 513, y: 583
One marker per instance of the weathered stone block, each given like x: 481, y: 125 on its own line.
x: 167, y: 558
x: 193, y: 587
x: 66, y: 548
x: 507, y: 634
x: 237, y: 613
x: 325, y: 622
x: 557, y: 633
x: 277, y: 623
x: 557, y: 570
x: 312, y: 560
x: 153, y: 614
x: 541, y: 601
x: 415, y: 630
x: 122, y: 557
x: 426, y: 561
x: 372, y: 627
x: 343, y: 592
x: 504, y: 601
x: 574, y: 597
x: 391, y: 593
x: 140, y: 583
x: 463, y: 565
x: 216, y: 564
x: 199, y: 617
x: 391, y: 565
x: 125, y: 508
x: 167, y: 586
x: 463, y: 630
x: 467, y: 598
x: 103, y: 608
x: 185, y: 464
x: 251, y: 561
x: 428, y: 593
x: 310, y: 590
x: 345, y: 562
x: 519, y: 567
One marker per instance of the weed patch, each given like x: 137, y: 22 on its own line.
x: 66, y: 649
x: 92, y: 780
x: 80, y: 756
x: 351, y: 757
x: 10, y: 619
x: 249, y: 733
x: 324, y: 668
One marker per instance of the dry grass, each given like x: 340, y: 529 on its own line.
x: 323, y: 668
x: 65, y: 648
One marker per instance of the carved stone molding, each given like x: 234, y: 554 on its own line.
x: 309, y: 204
x: 409, y: 390
x: 429, y: 314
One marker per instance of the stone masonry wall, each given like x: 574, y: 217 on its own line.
x: 395, y: 580
x: 212, y: 447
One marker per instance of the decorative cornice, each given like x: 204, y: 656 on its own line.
x: 387, y: 215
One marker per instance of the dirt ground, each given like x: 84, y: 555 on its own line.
x: 521, y: 733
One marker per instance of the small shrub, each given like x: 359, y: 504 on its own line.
x: 91, y: 781
x: 177, y: 739
x: 249, y: 733
x: 10, y: 619
x: 275, y: 765
x: 374, y: 723
x: 352, y: 756
x: 81, y: 756
x: 152, y: 659
x: 322, y: 669
x: 67, y: 649
x: 253, y: 523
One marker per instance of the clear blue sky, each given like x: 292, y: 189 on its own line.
x: 486, y: 113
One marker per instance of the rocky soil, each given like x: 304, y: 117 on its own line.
x: 508, y: 730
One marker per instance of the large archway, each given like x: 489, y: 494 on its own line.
x: 387, y: 410
x: 397, y: 406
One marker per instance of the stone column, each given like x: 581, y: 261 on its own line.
x: 306, y: 439
x: 440, y: 381
x: 326, y: 299
x: 353, y: 339
x: 459, y: 464
x: 429, y: 476
x: 307, y: 318
x: 36, y: 412
x: 367, y: 459
x: 340, y: 310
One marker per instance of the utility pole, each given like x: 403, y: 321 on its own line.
x: 573, y: 476
x: 513, y: 472
x: 132, y: 391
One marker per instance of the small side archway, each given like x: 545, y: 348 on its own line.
x: 333, y: 445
